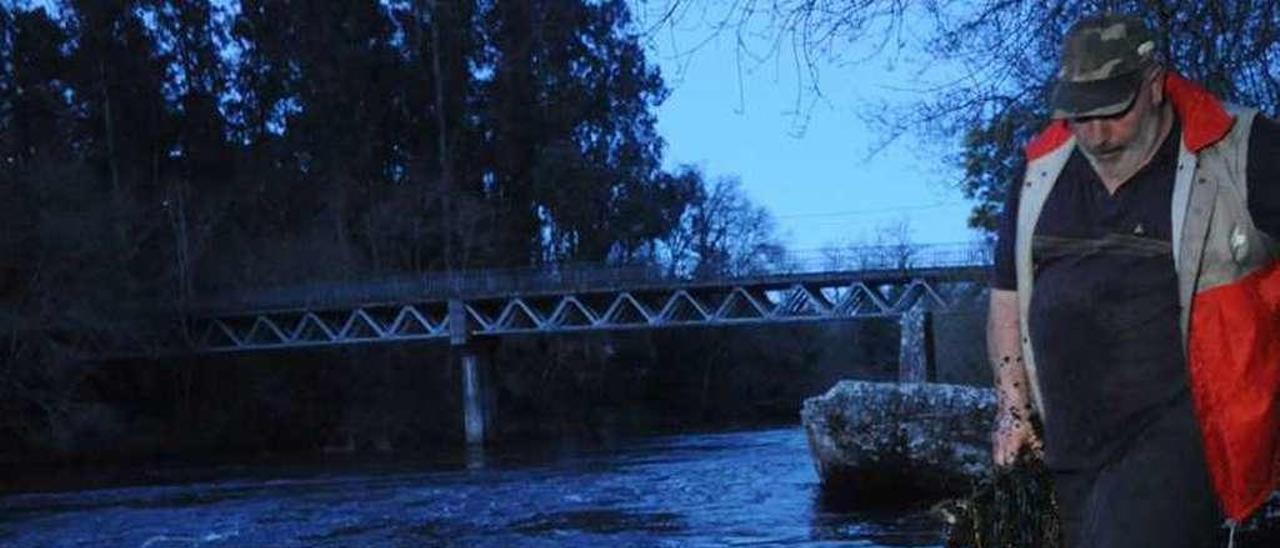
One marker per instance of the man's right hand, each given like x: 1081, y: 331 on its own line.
x: 1013, y: 432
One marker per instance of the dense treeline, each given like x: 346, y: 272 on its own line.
x: 241, y: 141
x: 156, y: 152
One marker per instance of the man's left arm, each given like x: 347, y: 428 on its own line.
x: 1264, y: 175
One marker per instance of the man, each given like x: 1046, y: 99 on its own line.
x: 1135, y: 305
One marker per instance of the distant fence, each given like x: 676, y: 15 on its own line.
x: 586, y: 277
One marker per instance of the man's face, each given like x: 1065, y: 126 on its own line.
x: 1107, y: 138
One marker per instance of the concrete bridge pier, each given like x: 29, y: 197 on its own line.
x: 475, y: 416
x: 916, y: 360
x: 473, y: 360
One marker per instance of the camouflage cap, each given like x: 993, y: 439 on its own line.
x: 1103, y: 62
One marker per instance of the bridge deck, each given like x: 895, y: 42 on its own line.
x: 494, y: 303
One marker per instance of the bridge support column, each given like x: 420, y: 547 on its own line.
x: 473, y: 360
x: 915, y: 355
x: 474, y: 417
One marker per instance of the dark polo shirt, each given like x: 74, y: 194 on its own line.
x: 1104, y: 315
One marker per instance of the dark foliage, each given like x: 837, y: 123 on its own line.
x: 156, y: 152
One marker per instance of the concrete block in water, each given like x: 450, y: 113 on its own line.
x: 876, y: 441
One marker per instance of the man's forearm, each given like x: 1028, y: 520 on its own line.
x: 1005, y: 353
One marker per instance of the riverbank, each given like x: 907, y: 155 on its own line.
x: 373, y: 399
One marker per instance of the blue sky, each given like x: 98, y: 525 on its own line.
x: 814, y: 173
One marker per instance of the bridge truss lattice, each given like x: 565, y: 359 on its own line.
x: 769, y: 300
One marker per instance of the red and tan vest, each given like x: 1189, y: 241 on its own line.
x: 1229, y: 290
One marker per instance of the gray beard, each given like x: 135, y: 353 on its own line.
x: 1117, y: 169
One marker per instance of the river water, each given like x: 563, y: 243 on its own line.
x: 741, y: 488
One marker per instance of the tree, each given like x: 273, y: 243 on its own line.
x: 86, y: 154
x: 574, y: 155
x: 1230, y: 46
x: 721, y: 233
x: 891, y: 246
x: 1005, y: 52
x: 155, y: 153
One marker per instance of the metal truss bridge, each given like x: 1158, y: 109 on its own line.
x: 909, y: 283
x: 873, y: 282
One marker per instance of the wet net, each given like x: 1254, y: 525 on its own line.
x: 1014, y: 507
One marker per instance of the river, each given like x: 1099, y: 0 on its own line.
x: 740, y: 488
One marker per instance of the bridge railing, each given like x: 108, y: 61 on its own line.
x: 584, y: 277
x: 886, y: 257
